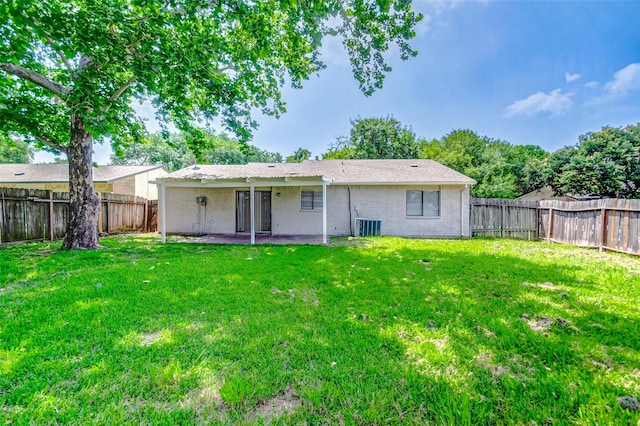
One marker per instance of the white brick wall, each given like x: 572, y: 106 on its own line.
x: 386, y: 203
x: 184, y: 215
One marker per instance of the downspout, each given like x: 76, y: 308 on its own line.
x: 462, y: 210
x: 324, y: 212
x: 253, y: 214
x: 163, y: 213
x: 350, y: 218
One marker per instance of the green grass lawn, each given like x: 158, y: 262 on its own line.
x: 388, y: 331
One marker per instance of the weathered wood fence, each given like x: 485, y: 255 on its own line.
x: 33, y: 214
x: 608, y: 224
x: 494, y: 217
x: 611, y: 224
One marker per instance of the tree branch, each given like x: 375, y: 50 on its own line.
x: 52, y: 144
x: 222, y: 70
x: 36, y: 78
x: 122, y: 89
x: 62, y: 56
x: 83, y: 63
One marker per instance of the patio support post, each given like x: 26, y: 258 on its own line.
x: 163, y: 213
x: 253, y: 214
x: 324, y: 212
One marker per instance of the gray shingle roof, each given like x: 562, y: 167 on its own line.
x: 27, y: 173
x: 339, y: 171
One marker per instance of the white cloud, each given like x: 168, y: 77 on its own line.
x: 592, y: 84
x: 555, y: 103
x: 624, y: 81
x: 571, y: 77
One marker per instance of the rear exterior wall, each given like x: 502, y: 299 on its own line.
x: 344, y: 205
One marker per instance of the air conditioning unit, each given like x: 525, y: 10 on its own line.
x: 201, y: 200
x: 368, y: 227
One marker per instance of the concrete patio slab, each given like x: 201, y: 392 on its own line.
x: 246, y: 239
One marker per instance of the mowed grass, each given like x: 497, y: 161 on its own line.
x: 383, y: 331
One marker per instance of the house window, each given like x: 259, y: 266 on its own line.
x: 311, y: 200
x: 423, y: 203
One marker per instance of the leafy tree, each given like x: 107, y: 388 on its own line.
x: 174, y: 152
x: 376, y: 138
x: 70, y: 69
x: 226, y: 150
x: 502, y: 170
x: 604, y: 163
x: 14, y: 150
x: 529, y: 166
x: 256, y: 155
x: 170, y: 151
x: 298, y: 156
x: 339, y: 150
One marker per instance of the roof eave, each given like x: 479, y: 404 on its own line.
x: 470, y: 182
x: 151, y: 168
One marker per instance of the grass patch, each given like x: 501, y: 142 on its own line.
x: 393, y: 331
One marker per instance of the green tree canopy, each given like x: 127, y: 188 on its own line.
x: 298, y: 156
x: 171, y: 151
x: 14, y: 150
x: 70, y: 69
x: 502, y: 170
x: 174, y: 152
x: 376, y: 138
x: 604, y: 163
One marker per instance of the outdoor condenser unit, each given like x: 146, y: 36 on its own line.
x: 201, y: 200
x: 368, y: 227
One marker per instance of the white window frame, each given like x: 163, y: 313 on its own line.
x: 422, y: 203
x: 316, y: 200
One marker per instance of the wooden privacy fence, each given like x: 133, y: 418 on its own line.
x: 34, y: 214
x: 611, y: 224
x: 494, y: 217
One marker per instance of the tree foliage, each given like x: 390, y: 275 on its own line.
x: 174, y: 152
x: 14, y: 150
x: 502, y: 170
x: 70, y: 69
x: 605, y: 163
x: 376, y: 138
x: 298, y: 156
x: 171, y: 151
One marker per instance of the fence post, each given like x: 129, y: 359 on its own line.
x: 25, y: 218
x: 100, y: 225
x: 502, y: 220
x: 550, y: 227
x: 625, y: 227
x: 603, y: 236
x: 145, y: 214
x: 108, y: 216
x: 50, y: 215
x: 1, y: 214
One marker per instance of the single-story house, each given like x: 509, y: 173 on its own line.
x: 419, y: 198
x: 545, y: 193
x: 130, y: 180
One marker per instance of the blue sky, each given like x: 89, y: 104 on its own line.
x: 528, y: 72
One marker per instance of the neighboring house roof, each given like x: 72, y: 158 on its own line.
x: 30, y: 173
x: 545, y: 193
x: 337, y: 171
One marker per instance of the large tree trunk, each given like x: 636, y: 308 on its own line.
x: 84, y: 205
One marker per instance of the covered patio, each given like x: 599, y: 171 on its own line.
x: 239, y: 179
x: 259, y: 239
